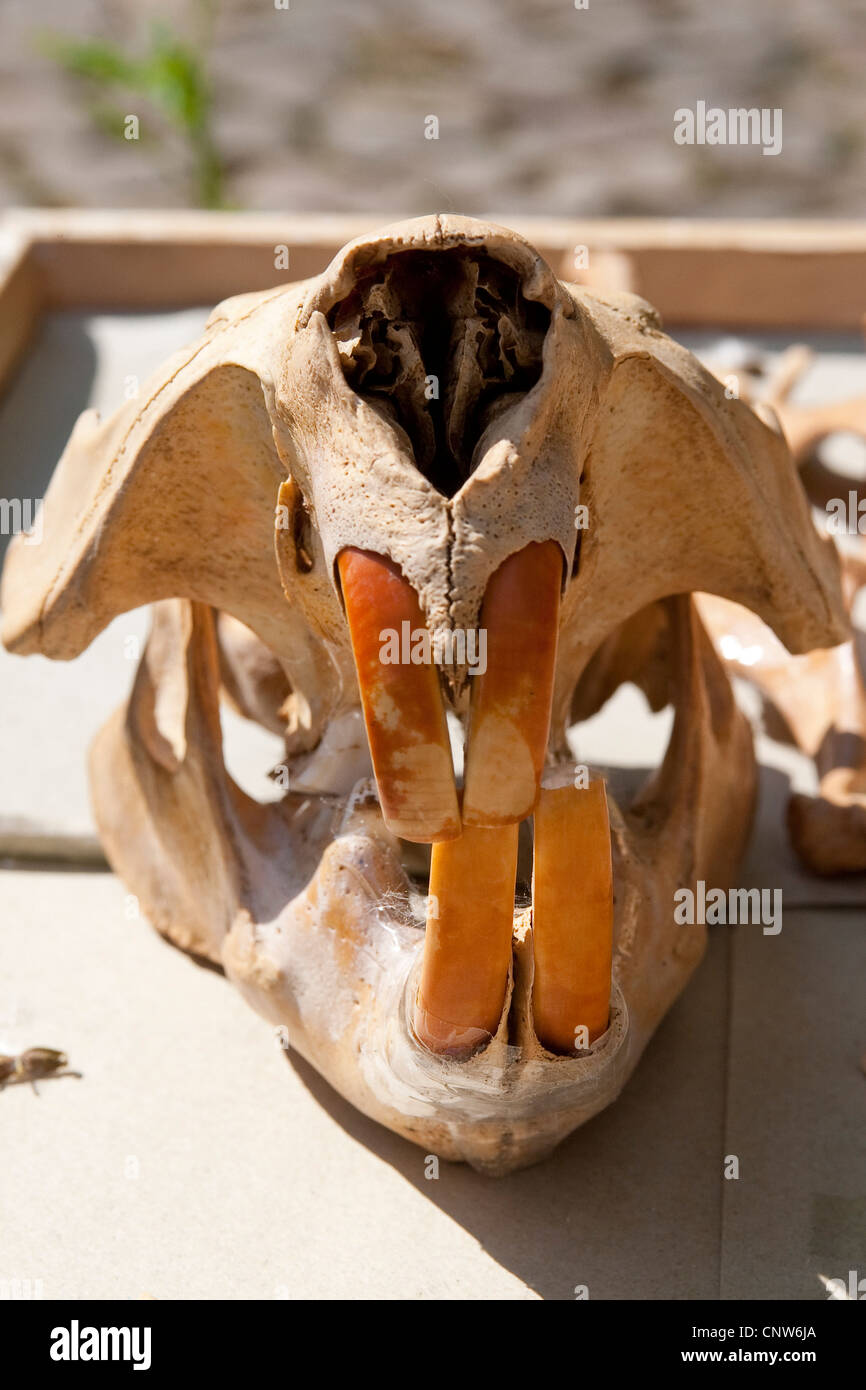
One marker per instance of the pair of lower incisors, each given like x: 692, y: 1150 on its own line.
x: 470, y: 921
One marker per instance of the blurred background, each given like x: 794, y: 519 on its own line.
x: 542, y: 107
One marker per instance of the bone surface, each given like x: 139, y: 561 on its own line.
x: 438, y: 401
x: 820, y: 697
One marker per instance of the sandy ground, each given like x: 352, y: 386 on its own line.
x: 542, y: 108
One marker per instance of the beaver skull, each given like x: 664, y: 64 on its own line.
x: 432, y: 486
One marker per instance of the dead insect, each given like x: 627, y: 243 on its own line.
x: 34, y: 1064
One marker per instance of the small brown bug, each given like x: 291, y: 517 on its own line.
x: 34, y: 1064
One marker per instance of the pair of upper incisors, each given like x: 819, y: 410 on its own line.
x: 470, y: 916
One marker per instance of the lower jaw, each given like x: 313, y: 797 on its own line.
x: 316, y: 928
x: 504, y: 1102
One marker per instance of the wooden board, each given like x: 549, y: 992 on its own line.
x: 772, y: 275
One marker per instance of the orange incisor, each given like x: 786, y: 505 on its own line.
x: 509, y: 719
x: 402, y: 703
x: 572, y: 916
x: 467, y: 945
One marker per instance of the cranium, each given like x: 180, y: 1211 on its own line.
x: 433, y: 438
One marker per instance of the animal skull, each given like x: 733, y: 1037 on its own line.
x: 427, y: 419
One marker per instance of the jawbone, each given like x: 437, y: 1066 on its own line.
x: 307, y: 906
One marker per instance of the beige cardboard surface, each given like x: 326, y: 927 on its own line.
x: 193, y: 1160
x: 51, y: 710
x: 796, y: 1110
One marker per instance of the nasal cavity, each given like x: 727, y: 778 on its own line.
x: 440, y: 343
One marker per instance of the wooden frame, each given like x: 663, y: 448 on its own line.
x: 793, y: 276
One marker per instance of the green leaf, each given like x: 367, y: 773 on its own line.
x: 99, y: 61
x: 172, y: 76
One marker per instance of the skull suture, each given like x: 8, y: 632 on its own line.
x: 426, y: 417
